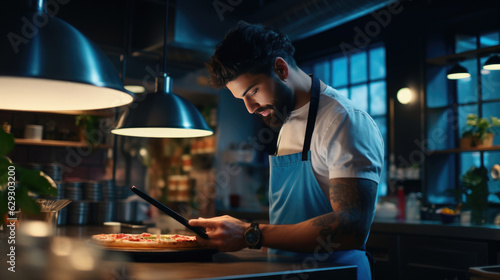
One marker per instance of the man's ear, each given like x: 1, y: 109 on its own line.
x: 281, y: 68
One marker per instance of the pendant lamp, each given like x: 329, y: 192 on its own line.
x: 492, y: 63
x: 48, y: 65
x: 458, y: 72
x: 163, y: 114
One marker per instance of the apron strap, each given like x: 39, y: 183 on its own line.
x: 311, y: 117
x: 371, y: 261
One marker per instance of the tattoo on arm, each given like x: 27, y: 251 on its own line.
x: 325, y: 221
x: 353, y: 202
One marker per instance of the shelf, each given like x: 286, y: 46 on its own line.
x: 448, y: 59
x: 53, y: 143
x: 458, y: 150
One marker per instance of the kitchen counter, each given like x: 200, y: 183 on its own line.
x: 235, y: 265
x: 436, y: 229
x: 242, y: 264
x: 430, y: 248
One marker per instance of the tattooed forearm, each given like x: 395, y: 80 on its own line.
x: 326, y: 221
x: 353, y: 202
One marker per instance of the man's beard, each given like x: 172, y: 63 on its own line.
x: 281, y: 108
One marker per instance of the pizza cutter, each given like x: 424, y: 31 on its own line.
x: 198, y: 230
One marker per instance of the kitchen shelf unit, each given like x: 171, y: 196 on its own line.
x: 61, y: 142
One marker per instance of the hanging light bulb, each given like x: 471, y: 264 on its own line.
x: 492, y: 63
x: 457, y: 72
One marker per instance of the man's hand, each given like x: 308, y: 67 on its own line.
x: 225, y: 233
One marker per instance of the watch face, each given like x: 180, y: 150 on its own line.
x: 252, y: 237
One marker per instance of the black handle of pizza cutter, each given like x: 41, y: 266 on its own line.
x: 198, y: 230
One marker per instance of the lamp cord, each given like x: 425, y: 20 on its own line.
x: 165, y: 38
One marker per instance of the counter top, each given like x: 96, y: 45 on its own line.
x: 436, y: 228
x: 235, y: 265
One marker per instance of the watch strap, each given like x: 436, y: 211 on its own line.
x: 255, y: 226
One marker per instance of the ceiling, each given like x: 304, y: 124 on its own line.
x: 195, y: 26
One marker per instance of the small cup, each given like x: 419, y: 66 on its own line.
x: 112, y: 227
x: 49, y: 217
x: 34, y: 132
x: 465, y: 217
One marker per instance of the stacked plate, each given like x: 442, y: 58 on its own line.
x: 105, y: 212
x: 92, y: 212
x: 92, y: 191
x: 60, y: 190
x: 54, y: 171
x: 73, y: 190
x: 126, y: 211
x: 78, y: 213
x: 62, y: 218
x: 108, y: 190
x: 123, y: 192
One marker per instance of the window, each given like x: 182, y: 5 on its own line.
x: 448, y: 104
x: 361, y: 78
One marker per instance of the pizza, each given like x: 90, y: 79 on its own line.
x: 145, y: 241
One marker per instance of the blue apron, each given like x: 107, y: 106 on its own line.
x: 295, y: 194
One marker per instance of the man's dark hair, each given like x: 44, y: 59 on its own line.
x: 248, y: 48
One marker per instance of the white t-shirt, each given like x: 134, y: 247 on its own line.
x: 345, y: 143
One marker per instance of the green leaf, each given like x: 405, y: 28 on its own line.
x: 36, y: 181
x: 6, y: 142
x: 471, y: 122
x: 475, y: 183
x: 471, y: 117
x: 25, y: 202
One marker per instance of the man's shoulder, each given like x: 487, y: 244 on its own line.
x: 334, y: 107
x: 333, y: 103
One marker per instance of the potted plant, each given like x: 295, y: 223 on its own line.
x: 87, y: 125
x: 16, y: 182
x: 475, y: 189
x: 478, y: 132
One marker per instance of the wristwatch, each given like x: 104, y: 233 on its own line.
x: 253, y: 236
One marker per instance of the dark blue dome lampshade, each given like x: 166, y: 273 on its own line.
x: 457, y: 72
x: 492, y: 63
x: 163, y: 114
x: 47, y: 64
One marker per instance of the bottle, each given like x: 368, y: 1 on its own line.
x: 392, y: 168
x: 401, y: 203
x: 413, y: 207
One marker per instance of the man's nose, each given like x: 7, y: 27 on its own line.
x: 251, y: 105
